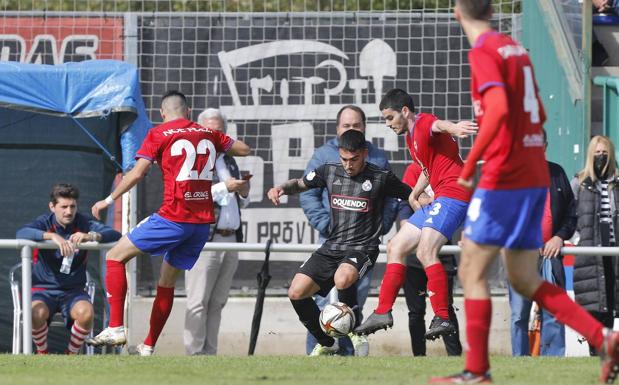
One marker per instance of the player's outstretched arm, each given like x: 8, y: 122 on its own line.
x: 495, y: 113
x: 291, y: 187
x: 238, y: 148
x: 130, y: 179
x: 461, y: 129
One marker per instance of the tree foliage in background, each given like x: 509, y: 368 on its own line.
x: 239, y: 5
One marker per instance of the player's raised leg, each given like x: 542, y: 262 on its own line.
x: 116, y: 291
x: 398, y: 248
x: 521, y: 266
x: 300, y: 293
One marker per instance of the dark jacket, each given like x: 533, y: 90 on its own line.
x: 562, y: 203
x: 589, y: 277
x: 46, y: 262
x: 235, y: 173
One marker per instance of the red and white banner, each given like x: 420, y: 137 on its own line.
x: 57, y: 40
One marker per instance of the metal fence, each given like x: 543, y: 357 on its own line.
x: 27, y: 247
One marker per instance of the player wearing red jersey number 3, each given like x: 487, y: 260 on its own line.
x: 432, y: 145
x: 186, y: 153
x: 505, y: 213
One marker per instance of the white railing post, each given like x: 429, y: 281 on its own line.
x: 26, y: 297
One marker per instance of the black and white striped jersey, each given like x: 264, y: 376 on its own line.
x: 356, y: 203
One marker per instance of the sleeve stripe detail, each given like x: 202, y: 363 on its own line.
x: 144, y: 156
x: 487, y: 85
x: 230, y: 145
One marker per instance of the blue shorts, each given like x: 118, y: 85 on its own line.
x: 60, y: 301
x: 508, y: 218
x: 179, y: 243
x: 444, y: 215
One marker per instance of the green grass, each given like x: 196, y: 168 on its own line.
x: 295, y: 370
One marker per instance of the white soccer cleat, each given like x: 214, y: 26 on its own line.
x: 144, y: 350
x: 360, y: 344
x: 109, y: 337
x: 320, y: 350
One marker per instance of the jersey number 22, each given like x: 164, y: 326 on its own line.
x: 187, y: 172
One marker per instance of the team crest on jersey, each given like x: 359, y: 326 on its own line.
x: 342, y: 202
x: 311, y: 175
x: 367, y: 185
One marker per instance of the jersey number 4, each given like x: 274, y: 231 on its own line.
x: 187, y: 172
x: 531, y: 104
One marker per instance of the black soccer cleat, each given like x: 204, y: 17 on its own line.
x: 374, y: 323
x: 440, y: 327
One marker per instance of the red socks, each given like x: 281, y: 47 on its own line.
x: 39, y: 336
x: 162, y: 306
x: 557, y: 302
x: 437, y: 289
x: 116, y: 286
x: 394, y: 277
x: 78, y: 335
x: 478, y: 316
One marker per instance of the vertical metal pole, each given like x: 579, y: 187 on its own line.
x: 26, y: 296
x: 130, y: 200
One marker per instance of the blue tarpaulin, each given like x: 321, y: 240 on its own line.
x: 80, y: 90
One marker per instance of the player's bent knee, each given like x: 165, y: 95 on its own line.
x: 344, y: 282
x: 40, y: 312
x: 396, y: 252
x: 295, y: 293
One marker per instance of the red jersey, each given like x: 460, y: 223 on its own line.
x: 439, y: 157
x: 515, y: 158
x: 186, y: 153
x: 411, y: 174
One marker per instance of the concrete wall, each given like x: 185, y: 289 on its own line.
x: 281, y: 332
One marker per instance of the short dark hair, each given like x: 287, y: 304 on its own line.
x: 396, y: 99
x: 176, y: 93
x: 350, y: 107
x: 352, y: 140
x: 476, y: 9
x: 63, y: 190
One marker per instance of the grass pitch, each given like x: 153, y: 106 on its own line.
x: 295, y: 370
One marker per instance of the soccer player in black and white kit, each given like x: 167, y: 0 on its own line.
x: 356, y: 193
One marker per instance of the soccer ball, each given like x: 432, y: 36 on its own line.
x: 337, y: 320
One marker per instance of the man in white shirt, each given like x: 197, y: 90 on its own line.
x: 208, y: 283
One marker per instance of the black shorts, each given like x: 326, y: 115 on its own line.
x: 323, y: 263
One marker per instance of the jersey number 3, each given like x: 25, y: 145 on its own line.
x: 187, y: 172
x: 531, y: 104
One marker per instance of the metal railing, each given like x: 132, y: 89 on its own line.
x: 26, y: 248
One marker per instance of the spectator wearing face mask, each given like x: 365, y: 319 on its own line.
x: 596, y: 189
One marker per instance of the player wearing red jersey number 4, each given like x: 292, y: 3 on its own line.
x: 432, y: 145
x: 510, y: 115
x: 186, y: 153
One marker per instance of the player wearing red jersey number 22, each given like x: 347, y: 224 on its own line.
x: 186, y: 153
x: 505, y: 213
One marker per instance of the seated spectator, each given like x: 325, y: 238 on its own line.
x: 415, y: 286
x: 59, y: 275
x: 558, y: 225
x: 606, y: 6
x: 598, y: 51
x: 596, y: 188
